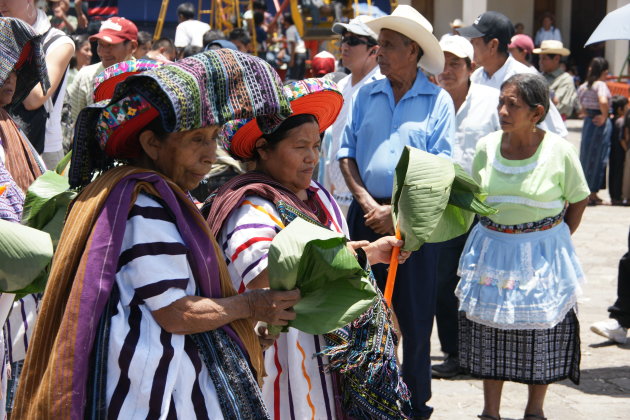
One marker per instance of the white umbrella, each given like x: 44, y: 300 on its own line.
x: 615, y: 25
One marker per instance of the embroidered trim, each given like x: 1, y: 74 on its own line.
x: 515, y: 199
x: 518, y: 169
x: 537, y: 226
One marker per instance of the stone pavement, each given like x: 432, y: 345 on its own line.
x: 604, y: 390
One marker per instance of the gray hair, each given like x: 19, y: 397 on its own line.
x: 533, y: 89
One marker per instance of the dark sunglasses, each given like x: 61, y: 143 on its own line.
x: 353, y: 41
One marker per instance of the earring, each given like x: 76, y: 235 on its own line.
x: 534, y: 128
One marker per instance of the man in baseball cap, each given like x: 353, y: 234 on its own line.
x: 490, y: 34
x: 116, y: 40
x: 476, y: 116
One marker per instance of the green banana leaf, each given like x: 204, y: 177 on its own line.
x: 25, y: 253
x: 334, y: 287
x: 64, y: 163
x: 422, y: 185
x: 46, y: 204
x: 434, y: 199
x: 465, y: 200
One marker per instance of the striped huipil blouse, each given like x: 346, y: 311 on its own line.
x: 153, y: 374
x: 296, y: 386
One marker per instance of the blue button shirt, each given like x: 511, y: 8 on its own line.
x: 378, y: 129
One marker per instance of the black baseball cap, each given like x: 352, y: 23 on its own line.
x: 493, y: 24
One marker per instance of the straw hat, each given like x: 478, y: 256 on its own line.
x: 457, y: 23
x: 552, y: 46
x: 317, y: 96
x: 409, y: 22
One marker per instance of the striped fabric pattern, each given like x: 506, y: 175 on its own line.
x: 296, y: 385
x: 54, y: 379
x: 151, y: 372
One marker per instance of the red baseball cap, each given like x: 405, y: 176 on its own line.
x: 522, y: 41
x: 323, y: 63
x: 116, y: 30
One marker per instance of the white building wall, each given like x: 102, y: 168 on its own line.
x: 444, y: 13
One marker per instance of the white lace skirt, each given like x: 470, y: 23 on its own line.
x: 519, y: 280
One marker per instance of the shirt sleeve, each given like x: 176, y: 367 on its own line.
x: 153, y: 266
x: 348, y: 145
x: 441, y: 139
x: 75, y: 96
x: 480, y: 159
x: 602, y: 90
x: 247, y: 235
x: 575, y: 187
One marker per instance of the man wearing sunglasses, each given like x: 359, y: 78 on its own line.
x: 358, y: 54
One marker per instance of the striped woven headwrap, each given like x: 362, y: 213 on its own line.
x: 21, y: 51
x: 206, y: 89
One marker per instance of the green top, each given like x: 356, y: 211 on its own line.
x: 530, y: 189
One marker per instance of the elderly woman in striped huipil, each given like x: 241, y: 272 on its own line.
x: 139, y: 319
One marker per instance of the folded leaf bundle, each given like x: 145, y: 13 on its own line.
x: 24, y: 255
x: 433, y: 199
x: 334, y: 287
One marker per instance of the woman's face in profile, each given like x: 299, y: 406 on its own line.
x: 7, y: 90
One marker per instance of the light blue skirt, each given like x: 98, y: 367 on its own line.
x: 519, y: 281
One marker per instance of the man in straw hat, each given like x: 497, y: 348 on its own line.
x: 405, y: 109
x: 560, y: 82
x: 490, y: 35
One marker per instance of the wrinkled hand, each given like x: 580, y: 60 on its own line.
x: 272, y: 306
x: 379, y: 219
x: 265, y: 338
x: 599, y: 120
x: 380, y: 251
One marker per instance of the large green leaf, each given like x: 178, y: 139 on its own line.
x: 334, y: 287
x: 434, y: 199
x: 422, y: 184
x: 46, y: 204
x: 24, y: 255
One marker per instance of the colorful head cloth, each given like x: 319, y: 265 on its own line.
x: 21, y: 51
x: 105, y: 83
x: 318, y: 97
x: 206, y: 89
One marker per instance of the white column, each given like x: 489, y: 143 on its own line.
x: 616, y: 51
x: 473, y: 8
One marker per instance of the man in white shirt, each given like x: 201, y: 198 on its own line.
x: 476, y: 116
x: 189, y: 31
x: 358, y: 54
x: 490, y: 35
x: 296, y: 50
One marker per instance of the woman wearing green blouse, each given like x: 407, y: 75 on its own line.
x: 519, y: 272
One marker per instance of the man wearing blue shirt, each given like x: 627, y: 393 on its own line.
x: 387, y: 115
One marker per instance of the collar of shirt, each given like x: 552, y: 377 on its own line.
x: 500, y: 74
x: 42, y: 24
x: 421, y: 86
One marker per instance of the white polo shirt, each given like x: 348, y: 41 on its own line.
x: 553, y: 121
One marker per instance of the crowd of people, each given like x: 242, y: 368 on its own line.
x: 190, y: 155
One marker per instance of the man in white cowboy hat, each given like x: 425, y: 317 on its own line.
x: 490, y: 35
x: 387, y: 115
x: 560, y: 82
x: 358, y: 54
x: 476, y: 116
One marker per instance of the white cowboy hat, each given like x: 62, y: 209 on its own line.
x: 409, y: 22
x: 552, y: 46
